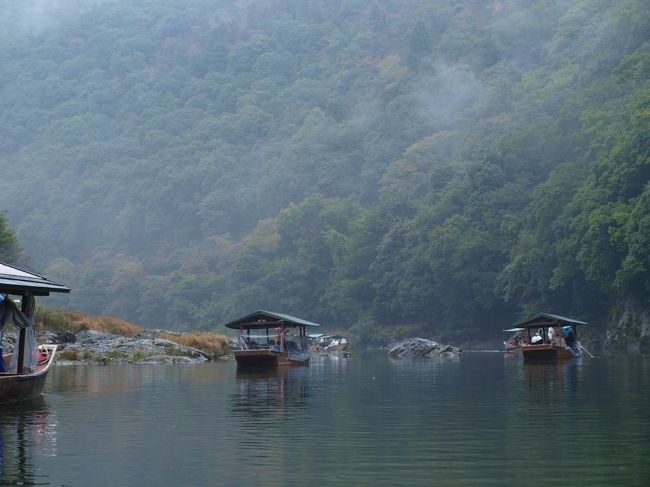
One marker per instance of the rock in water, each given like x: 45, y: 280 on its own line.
x: 421, y: 347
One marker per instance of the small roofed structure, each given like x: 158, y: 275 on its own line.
x: 514, y: 342
x: 547, y: 319
x: 328, y: 343
x: 19, y: 282
x: 23, y: 372
x: 277, y: 339
x: 550, y: 337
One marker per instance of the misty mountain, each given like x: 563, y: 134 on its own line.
x: 448, y: 165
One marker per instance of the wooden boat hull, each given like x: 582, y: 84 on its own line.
x: 265, y: 358
x: 509, y: 347
x: 21, y: 387
x: 545, y: 353
x: 342, y: 347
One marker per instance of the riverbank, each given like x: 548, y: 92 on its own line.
x: 85, y: 339
x: 148, y: 347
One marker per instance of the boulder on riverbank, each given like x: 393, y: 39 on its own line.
x: 92, y: 347
x: 423, y: 348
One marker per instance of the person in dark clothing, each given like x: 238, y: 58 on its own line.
x: 570, y: 339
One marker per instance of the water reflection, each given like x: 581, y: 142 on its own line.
x: 264, y: 391
x: 27, y: 431
x: 365, y: 420
x: 556, y: 380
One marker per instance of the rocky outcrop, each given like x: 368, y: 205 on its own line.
x: 90, y: 346
x: 630, y: 327
x: 421, y: 347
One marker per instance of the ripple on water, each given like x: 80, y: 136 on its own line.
x: 368, y: 420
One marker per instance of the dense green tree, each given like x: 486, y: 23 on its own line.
x: 442, y: 165
x: 9, y: 249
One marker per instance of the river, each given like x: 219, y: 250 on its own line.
x: 485, y: 419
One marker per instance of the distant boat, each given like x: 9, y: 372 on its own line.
x: 513, y: 344
x: 328, y: 343
x: 269, y: 339
x: 550, y: 338
x: 23, y: 372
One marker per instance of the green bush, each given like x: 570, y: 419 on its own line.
x: 116, y: 355
x: 69, y: 354
x: 137, y: 356
x: 367, y: 333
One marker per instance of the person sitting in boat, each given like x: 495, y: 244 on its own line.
x: 570, y: 339
x: 551, y: 334
x: 537, y: 338
x: 557, y: 340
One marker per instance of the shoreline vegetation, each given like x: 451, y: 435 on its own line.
x: 86, y: 339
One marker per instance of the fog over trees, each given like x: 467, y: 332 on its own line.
x: 444, y: 165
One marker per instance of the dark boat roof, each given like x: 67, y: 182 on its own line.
x: 546, y: 319
x: 18, y: 281
x: 267, y: 319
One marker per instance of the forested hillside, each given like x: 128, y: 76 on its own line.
x: 447, y: 165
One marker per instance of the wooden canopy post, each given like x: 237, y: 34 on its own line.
x: 21, y: 336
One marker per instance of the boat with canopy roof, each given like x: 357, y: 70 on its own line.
x: 327, y: 343
x: 23, y: 372
x: 550, y: 338
x: 269, y: 339
x: 513, y: 344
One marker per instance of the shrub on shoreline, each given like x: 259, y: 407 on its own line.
x: 60, y: 321
x: 211, y: 343
x: 74, y: 321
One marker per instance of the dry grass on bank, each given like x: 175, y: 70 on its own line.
x: 210, y: 343
x: 74, y: 322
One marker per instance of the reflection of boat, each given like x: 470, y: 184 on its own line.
x: 263, y: 390
x: 549, y: 338
x: 513, y: 343
x: 23, y: 372
x: 271, y: 344
x: 26, y: 432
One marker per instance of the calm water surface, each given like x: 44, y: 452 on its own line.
x: 365, y: 421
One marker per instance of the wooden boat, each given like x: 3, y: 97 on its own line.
x: 513, y: 344
x: 328, y: 343
x: 20, y: 387
x: 278, y: 340
x: 23, y: 372
x: 550, y: 338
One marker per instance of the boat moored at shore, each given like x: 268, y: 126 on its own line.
x: 269, y: 339
x: 23, y: 372
x: 21, y: 387
x: 328, y: 343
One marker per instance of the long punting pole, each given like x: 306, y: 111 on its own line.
x: 586, y: 351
